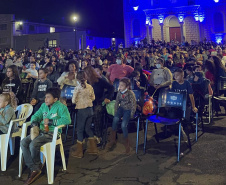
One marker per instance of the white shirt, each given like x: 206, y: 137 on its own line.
x: 33, y: 72
x: 158, y: 76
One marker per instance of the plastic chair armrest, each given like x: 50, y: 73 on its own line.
x: 55, y: 133
x: 24, y: 129
x: 20, y: 120
x: 61, y: 126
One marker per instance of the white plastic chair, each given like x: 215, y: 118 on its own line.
x: 24, y: 111
x: 47, y: 153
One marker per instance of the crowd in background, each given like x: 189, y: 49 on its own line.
x: 102, y: 75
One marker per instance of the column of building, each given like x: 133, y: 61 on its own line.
x: 161, y: 20
x: 181, y: 21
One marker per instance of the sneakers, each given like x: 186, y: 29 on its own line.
x: 32, y: 177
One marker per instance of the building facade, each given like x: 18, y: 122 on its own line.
x: 178, y: 20
x: 19, y: 34
x: 6, y: 30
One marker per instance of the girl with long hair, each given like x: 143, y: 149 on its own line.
x: 83, y: 97
x: 12, y: 84
x: 104, y: 92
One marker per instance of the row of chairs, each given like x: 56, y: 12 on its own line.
x: 178, y: 100
x: 47, y: 151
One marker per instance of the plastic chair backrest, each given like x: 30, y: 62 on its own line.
x: 67, y: 91
x: 24, y: 111
x: 172, y: 99
x: 137, y: 95
x: 221, y: 85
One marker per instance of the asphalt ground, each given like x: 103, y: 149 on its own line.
x: 203, y: 165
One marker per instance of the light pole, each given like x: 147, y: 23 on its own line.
x: 75, y: 19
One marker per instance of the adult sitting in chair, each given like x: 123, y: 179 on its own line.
x: 160, y: 77
x: 118, y: 70
x: 51, y: 114
x: 202, y: 88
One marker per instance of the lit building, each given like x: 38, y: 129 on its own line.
x: 178, y: 20
x: 18, y: 34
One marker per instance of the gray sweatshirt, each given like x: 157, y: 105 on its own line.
x: 40, y: 89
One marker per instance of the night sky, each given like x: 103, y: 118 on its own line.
x: 101, y: 17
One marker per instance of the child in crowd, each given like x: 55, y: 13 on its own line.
x: 190, y: 75
x: 83, y: 97
x: 51, y: 114
x: 40, y: 87
x: 6, y: 112
x: 135, y: 80
x: 181, y: 85
x: 204, y: 84
x: 31, y: 72
x: 125, y: 107
x: 12, y: 85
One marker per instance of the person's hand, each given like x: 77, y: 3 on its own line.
x: 28, y: 75
x: 195, y: 109
x: 106, y: 101
x: 157, y: 86
x: 33, y: 101
x: 46, y: 121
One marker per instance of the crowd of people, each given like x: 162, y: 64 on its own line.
x: 99, y: 76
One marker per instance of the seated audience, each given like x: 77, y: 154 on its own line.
x: 69, y: 76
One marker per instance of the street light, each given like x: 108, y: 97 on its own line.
x: 75, y: 19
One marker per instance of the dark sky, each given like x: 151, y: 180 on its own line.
x: 102, y: 17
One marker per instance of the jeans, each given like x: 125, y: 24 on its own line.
x: 31, y: 150
x: 84, y: 120
x: 125, y: 115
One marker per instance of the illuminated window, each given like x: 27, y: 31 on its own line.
x: 52, y: 29
x: 52, y: 43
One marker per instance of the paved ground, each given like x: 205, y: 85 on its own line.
x: 204, y: 165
